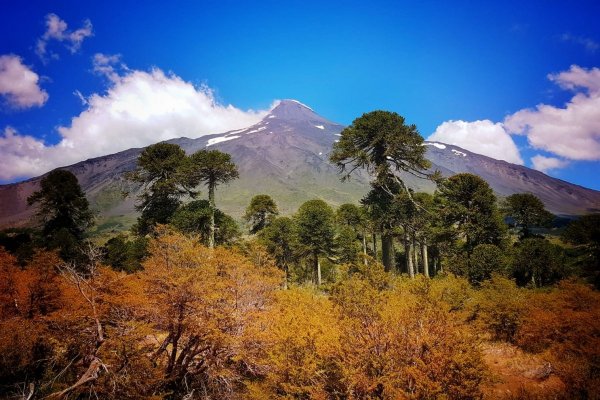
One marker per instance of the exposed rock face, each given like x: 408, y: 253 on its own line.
x: 286, y: 156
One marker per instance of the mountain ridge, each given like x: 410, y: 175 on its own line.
x: 286, y: 155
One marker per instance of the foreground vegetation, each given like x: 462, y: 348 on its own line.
x: 217, y: 324
x: 405, y: 295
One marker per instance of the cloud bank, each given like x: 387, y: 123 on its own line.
x: 139, y: 108
x: 570, y: 133
x: 57, y: 30
x: 545, y: 164
x: 19, y: 85
x: 482, y: 137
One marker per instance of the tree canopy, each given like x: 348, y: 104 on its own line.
x: 211, y: 167
x: 316, y: 231
x: 63, y: 211
x: 260, y: 212
x: 160, y: 170
x: 527, y: 211
x: 383, y: 144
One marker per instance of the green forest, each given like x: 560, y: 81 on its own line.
x: 405, y: 295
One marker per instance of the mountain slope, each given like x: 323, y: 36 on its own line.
x: 285, y: 155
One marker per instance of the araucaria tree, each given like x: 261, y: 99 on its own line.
x: 261, y: 211
x: 386, y: 147
x: 470, y: 208
x: 211, y: 167
x: 527, y: 211
x: 63, y: 210
x: 316, y: 232
x: 160, y: 170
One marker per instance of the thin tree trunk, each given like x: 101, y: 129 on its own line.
x: 415, y: 254
x: 211, y: 200
x: 375, y: 246
x: 408, y: 254
x: 386, y: 251
x: 364, y: 241
x: 318, y: 269
x: 424, y: 257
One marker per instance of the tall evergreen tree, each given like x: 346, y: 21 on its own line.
x: 195, y: 217
x: 527, y: 211
x: 316, y: 231
x: 386, y: 147
x: 63, y: 211
x: 211, y: 167
x: 470, y: 207
x: 280, y: 238
x: 261, y: 211
x: 160, y: 171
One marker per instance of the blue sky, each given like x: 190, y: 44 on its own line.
x: 472, y: 73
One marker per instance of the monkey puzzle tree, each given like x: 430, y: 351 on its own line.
x: 316, y: 231
x: 260, y: 212
x: 211, y: 167
x: 470, y: 207
x: 354, y: 217
x: 160, y: 171
x: 386, y: 147
x: 64, y: 212
x: 527, y: 211
x: 280, y: 238
x: 195, y: 217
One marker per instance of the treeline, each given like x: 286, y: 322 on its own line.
x: 385, y: 299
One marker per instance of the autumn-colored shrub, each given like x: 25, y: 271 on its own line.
x: 403, y: 343
x: 499, y: 307
x: 301, y: 341
x: 564, y: 325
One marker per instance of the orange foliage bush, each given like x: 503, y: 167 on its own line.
x: 564, y: 325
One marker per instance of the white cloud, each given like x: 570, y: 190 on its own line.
x: 544, y: 164
x: 19, y: 84
x: 140, y: 108
x: 57, y: 29
x: 482, y: 137
x: 572, y: 132
x: 108, y: 65
x: 20, y: 154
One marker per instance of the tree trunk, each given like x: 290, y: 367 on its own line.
x: 415, y: 254
x: 408, y: 254
x: 424, y: 257
x: 318, y: 269
x: 386, y: 251
x: 375, y: 246
x: 211, y: 200
x: 364, y: 241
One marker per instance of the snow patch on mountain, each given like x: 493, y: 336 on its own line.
x: 303, y: 105
x: 220, y: 139
x: 438, y: 145
x: 262, y: 128
x: 319, y: 127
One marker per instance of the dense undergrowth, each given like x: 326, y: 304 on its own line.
x: 218, y: 324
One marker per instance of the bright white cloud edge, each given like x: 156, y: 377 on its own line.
x: 19, y: 85
x: 140, y: 108
x: 482, y: 137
